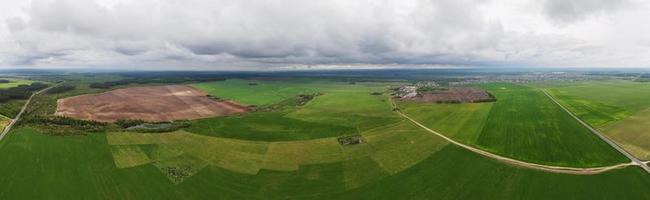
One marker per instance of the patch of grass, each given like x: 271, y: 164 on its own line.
x: 455, y: 173
x: 129, y: 156
x: 262, y: 92
x: 632, y: 134
x: 628, y: 95
x: 618, y: 108
x: 351, y: 106
x: 451, y: 173
x: 525, y: 124
x: 266, y: 126
x: 595, y: 113
x: 463, y: 122
x: 14, y: 82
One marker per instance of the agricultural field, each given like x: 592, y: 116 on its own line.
x: 618, y: 108
x: 385, y: 174
x: 13, y: 82
x: 259, y: 92
x: 290, y: 148
x: 521, y: 118
x: 328, y: 114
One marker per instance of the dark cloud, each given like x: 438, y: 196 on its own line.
x: 214, y: 33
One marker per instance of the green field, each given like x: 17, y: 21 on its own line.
x: 339, y: 109
x: 292, y: 152
x: 13, y: 82
x: 618, y: 108
x: 262, y: 92
x: 83, y: 167
x: 522, y: 118
x: 266, y: 126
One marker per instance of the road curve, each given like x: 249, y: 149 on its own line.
x: 635, y: 160
x: 22, y: 110
x: 519, y: 163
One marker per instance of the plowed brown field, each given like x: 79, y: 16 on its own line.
x: 154, y: 104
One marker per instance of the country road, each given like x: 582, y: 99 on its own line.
x: 635, y: 160
x: 547, y: 168
x: 22, y: 110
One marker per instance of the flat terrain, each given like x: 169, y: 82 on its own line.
x: 454, y: 95
x: 289, y: 150
x: 446, y: 173
x: 260, y: 92
x: 523, y: 124
x: 339, y: 109
x: 620, y: 109
x: 13, y: 82
x: 154, y: 103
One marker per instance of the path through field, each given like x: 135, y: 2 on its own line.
x: 635, y: 160
x: 547, y: 168
x: 15, y: 119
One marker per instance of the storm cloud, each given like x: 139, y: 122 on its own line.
x: 249, y: 34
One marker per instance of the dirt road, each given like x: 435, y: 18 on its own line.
x: 22, y: 110
x: 519, y: 163
x: 635, y: 160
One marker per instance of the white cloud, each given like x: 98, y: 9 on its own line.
x: 249, y: 34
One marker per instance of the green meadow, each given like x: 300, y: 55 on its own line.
x: 13, y: 82
x: 291, y: 151
x: 261, y: 92
x: 620, y: 109
x: 84, y: 167
x: 523, y: 124
x: 338, y: 109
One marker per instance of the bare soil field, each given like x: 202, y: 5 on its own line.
x: 455, y: 95
x: 153, y: 104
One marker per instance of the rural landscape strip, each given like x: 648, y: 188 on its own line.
x: 22, y: 110
x: 635, y: 160
x: 547, y: 168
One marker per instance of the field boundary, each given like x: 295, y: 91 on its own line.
x: 519, y: 163
x: 602, y: 136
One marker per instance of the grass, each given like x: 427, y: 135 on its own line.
x: 258, y: 92
x: 350, y: 106
x: 627, y: 95
x: 341, y: 109
x: 462, y: 122
x: 618, y: 108
x: 294, y: 154
x: 266, y: 126
x: 631, y: 134
x: 14, y: 82
x: 83, y: 168
x: 249, y: 157
x: 523, y: 124
x: 595, y: 113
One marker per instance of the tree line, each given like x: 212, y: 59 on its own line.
x: 164, y: 80
x: 20, y: 92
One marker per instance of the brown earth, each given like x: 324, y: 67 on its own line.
x: 455, y: 95
x: 153, y: 104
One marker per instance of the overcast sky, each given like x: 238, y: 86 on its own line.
x: 279, y: 34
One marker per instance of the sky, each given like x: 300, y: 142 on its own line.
x: 304, y: 34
